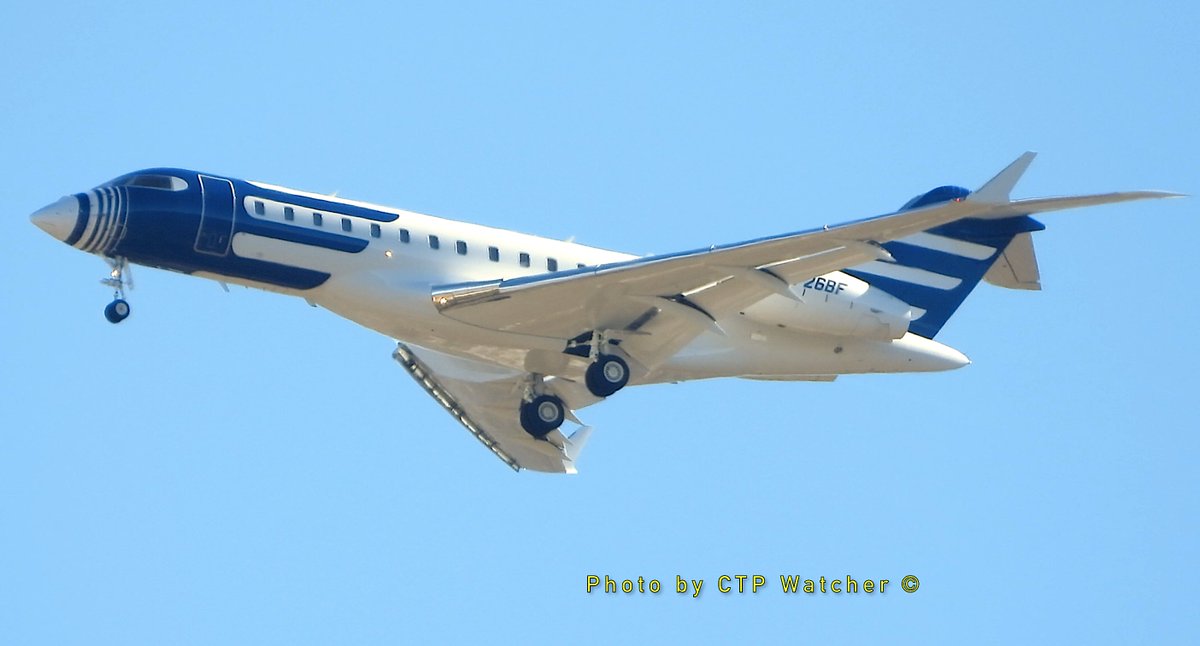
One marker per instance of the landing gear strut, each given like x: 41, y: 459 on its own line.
x: 118, y: 309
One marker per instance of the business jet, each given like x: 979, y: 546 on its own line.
x: 513, y: 334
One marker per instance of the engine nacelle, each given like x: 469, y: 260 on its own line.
x: 837, y: 304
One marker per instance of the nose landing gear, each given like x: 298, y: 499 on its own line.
x: 118, y: 309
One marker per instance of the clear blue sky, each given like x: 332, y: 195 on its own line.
x: 242, y: 468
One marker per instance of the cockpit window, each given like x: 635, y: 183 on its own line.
x: 162, y: 182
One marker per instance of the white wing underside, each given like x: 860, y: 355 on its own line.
x: 484, y: 399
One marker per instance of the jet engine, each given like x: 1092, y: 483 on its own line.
x: 839, y: 305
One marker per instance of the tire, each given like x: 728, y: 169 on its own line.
x: 607, y: 375
x: 542, y: 415
x: 116, y: 311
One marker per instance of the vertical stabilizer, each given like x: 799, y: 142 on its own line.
x: 934, y: 271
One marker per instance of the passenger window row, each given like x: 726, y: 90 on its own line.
x: 318, y: 219
x: 460, y: 246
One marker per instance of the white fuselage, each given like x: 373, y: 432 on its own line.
x: 849, y: 328
x: 378, y: 266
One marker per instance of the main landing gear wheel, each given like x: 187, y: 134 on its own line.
x: 117, y: 311
x: 542, y: 415
x: 607, y: 374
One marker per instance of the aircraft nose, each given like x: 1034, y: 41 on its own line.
x: 58, y: 219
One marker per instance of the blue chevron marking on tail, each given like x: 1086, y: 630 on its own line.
x: 935, y: 271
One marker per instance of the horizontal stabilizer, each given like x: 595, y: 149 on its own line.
x: 1017, y: 267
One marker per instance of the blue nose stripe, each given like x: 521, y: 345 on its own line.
x: 120, y: 205
x: 81, y: 220
x: 101, y: 221
x: 105, y: 222
x: 97, y: 222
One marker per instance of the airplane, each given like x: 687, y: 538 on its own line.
x: 513, y: 334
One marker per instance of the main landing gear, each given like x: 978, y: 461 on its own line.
x: 542, y: 414
x: 607, y: 373
x: 118, y: 310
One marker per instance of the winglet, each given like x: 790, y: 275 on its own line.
x: 997, y: 190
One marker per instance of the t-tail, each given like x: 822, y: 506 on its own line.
x: 934, y: 271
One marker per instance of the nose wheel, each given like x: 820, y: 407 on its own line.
x: 118, y: 309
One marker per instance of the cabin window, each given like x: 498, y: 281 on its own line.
x: 259, y: 208
x: 493, y: 254
x: 524, y: 259
x: 375, y: 231
x: 318, y: 219
x: 551, y: 264
x: 346, y: 224
x: 434, y: 243
x: 461, y: 247
x: 404, y: 237
x: 289, y: 213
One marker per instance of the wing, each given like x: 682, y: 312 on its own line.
x: 661, y: 302
x: 484, y: 399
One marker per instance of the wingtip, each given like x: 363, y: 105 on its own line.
x: 1155, y: 195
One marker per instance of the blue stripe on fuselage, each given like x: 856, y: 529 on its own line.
x: 161, y: 231
x: 166, y: 240
x: 299, y: 235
